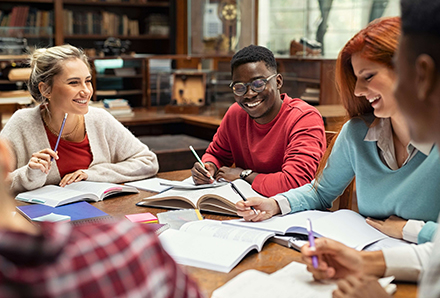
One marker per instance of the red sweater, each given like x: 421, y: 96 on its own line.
x: 286, y: 151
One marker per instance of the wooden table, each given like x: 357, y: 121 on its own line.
x: 270, y: 259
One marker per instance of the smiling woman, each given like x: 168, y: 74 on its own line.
x: 90, y: 143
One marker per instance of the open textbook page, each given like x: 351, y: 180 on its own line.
x: 345, y: 226
x: 220, y: 199
x: 53, y: 195
x: 209, y: 244
x: 188, y: 183
x: 291, y: 281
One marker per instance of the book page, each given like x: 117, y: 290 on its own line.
x: 193, y: 196
x: 204, y: 252
x: 150, y: 184
x: 293, y: 278
x: 52, y: 195
x: 348, y: 227
x: 100, y: 189
x: 215, y: 228
x: 289, y: 223
x: 188, y: 183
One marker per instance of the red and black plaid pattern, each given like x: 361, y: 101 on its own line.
x: 116, y: 259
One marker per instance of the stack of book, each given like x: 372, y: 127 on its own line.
x: 118, y: 107
x: 311, y: 96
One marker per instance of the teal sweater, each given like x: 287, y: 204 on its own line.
x: 411, y: 192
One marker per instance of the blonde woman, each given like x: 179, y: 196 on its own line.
x: 93, y: 146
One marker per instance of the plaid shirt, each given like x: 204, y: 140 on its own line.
x: 115, y: 259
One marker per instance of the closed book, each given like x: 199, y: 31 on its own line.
x: 79, y: 212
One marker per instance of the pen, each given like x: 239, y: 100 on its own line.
x: 312, y: 242
x: 241, y: 195
x: 59, y: 135
x: 199, y: 160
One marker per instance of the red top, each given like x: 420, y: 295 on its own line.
x: 72, y: 156
x: 286, y: 151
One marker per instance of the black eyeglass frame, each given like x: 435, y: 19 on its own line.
x: 232, y: 85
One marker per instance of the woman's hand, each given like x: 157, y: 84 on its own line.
x: 265, y: 207
x: 41, y: 160
x: 73, y: 177
x: 392, y: 226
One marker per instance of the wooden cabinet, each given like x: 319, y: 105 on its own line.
x: 149, y: 26
x: 312, y: 79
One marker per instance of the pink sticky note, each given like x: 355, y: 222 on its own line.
x: 141, y: 217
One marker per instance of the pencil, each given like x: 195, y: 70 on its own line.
x: 199, y: 160
x: 237, y: 191
x: 312, y: 242
x: 59, y: 135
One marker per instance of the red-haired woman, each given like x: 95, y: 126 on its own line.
x: 396, y: 179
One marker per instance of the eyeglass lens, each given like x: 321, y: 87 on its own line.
x: 257, y: 85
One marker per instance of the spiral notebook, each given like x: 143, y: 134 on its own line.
x: 79, y: 212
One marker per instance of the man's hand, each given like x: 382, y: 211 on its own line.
x: 359, y: 287
x: 201, y: 175
x: 229, y: 174
x: 266, y: 208
x: 392, y: 226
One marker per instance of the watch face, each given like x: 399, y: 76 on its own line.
x: 245, y: 173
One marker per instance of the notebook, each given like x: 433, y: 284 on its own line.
x: 79, y: 212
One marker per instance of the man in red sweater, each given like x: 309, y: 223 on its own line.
x: 275, y: 142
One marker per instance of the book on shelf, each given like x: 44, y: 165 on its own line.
x: 78, y: 212
x: 209, y: 244
x: 53, y: 195
x: 345, y: 226
x: 220, y: 199
x: 293, y: 278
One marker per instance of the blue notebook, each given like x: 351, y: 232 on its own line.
x: 79, y: 212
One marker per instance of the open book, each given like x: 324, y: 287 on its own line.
x: 209, y: 244
x: 220, y: 199
x: 53, y: 195
x: 345, y: 226
x: 293, y: 278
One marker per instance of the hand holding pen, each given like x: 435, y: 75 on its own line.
x: 201, y: 172
x: 237, y: 191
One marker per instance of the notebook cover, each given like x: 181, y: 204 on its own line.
x: 79, y: 212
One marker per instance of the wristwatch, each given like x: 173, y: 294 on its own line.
x: 245, y: 173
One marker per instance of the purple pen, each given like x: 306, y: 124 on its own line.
x: 59, y: 135
x: 312, y: 242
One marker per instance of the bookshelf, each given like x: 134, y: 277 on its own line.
x: 149, y: 26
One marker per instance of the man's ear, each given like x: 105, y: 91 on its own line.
x: 44, y: 89
x: 425, y: 76
x: 279, y: 81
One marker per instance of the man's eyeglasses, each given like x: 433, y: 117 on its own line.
x: 257, y: 85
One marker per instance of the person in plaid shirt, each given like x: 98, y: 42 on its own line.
x: 112, y: 259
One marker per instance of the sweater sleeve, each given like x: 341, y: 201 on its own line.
x: 26, y: 135
x: 336, y: 176
x: 427, y: 233
x: 306, y: 145
x: 118, y: 156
